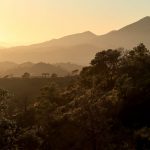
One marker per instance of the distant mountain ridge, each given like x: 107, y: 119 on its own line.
x: 80, y: 48
x: 127, y: 37
x: 36, y: 69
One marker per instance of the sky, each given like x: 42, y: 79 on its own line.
x: 24, y: 22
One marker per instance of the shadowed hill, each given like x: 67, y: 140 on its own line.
x: 36, y: 69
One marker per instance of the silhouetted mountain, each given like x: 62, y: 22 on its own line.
x: 36, y: 69
x: 70, y: 40
x: 80, y: 48
x: 74, y: 48
x: 127, y: 36
x: 26, y: 64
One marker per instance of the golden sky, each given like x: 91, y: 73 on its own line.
x: 31, y: 21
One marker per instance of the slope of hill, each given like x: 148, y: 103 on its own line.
x: 80, y: 48
x: 53, y: 51
x: 127, y: 36
x: 70, y: 40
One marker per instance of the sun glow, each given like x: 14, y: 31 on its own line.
x: 32, y: 21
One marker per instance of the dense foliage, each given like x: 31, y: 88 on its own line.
x: 106, y: 107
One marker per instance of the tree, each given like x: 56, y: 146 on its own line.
x: 26, y: 75
x: 133, y: 87
x: 75, y: 72
x: 8, y: 128
x: 103, y: 70
x: 53, y: 75
x: 45, y: 75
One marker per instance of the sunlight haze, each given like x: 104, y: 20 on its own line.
x: 24, y: 22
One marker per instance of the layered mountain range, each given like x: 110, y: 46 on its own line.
x: 80, y: 48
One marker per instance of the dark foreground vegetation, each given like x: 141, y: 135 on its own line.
x: 106, y: 107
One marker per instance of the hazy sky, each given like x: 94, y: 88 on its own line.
x: 32, y: 21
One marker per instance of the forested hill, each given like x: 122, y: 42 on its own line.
x: 106, y: 107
